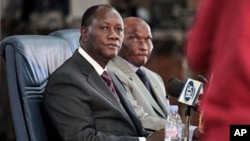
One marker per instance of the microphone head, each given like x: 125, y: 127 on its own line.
x: 174, y: 87
x: 190, y: 92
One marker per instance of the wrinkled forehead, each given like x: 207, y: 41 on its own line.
x: 138, y: 28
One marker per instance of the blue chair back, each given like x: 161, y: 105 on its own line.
x: 72, y: 36
x: 30, y: 59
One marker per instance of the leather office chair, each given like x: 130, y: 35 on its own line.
x: 72, y: 36
x: 30, y: 59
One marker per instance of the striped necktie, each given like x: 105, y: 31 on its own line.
x: 106, y: 77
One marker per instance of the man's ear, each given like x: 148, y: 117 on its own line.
x: 84, y: 35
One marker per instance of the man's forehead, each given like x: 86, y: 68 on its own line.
x: 136, y: 30
x: 102, y: 11
x: 108, y: 15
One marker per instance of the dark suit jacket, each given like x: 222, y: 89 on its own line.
x: 82, y: 108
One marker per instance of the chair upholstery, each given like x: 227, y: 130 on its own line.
x: 72, y: 36
x: 30, y: 59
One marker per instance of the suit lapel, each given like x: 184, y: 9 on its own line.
x: 94, y: 79
x: 133, y: 77
x: 100, y: 86
x: 122, y: 106
x: 150, y: 98
x: 161, y: 100
x: 126, y: 104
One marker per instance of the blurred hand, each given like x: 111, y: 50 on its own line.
x: 197, y: 134
x: 157, y: 136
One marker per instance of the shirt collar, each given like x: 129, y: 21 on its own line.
x: 133, y: 67
x: 96, y: 66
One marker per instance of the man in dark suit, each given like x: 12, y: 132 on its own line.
x: 79, y: 102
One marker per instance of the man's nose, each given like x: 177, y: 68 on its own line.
x: 143, y: 45
x: 112, y: 34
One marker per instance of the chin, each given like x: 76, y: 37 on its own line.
x: 112, y: 56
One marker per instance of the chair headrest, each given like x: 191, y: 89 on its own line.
x: 72, y: 36
x: 36, y: 56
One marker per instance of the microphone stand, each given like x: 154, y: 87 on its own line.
x: 187, y: 122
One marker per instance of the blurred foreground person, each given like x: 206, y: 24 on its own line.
x: 218, y: 45
x: 82, y: 100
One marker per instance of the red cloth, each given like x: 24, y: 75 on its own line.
x: 218, y: 44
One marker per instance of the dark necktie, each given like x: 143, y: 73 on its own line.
x: 143, y: 78
x: 106, y: 77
